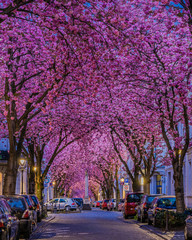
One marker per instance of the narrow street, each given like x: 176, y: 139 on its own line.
x: 92, y: 225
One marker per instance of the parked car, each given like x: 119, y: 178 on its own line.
x: 111, y: 204
x: 21, y: 210
x: 188, y: 228
x: 104, y: 204
x: 38, y: 207
x: 94, y: 204
x: 79, y: 202
x: 159, y: 204
x: 9, y: 224
x: 32, y: 207
x: 61, y: 204
x: 121, y: 205
x: 98, y: 203
x: 144, y: 205
x: 131, y: 202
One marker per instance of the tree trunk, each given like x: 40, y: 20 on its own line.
x: 179, y: 191
x: 39, y: 186
x: 135, y: 181
x: 117, y: 187
x: 136, y: 184
x: 147, y: 185
x: 31, y: 181
x: 11, y: 174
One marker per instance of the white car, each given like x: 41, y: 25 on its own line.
x: 61, y: 204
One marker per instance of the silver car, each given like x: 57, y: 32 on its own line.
x: 188, y: 228
x: 61, y: 204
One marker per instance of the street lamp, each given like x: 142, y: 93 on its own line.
x: 22, y: 163
x: 35, y: 170
x: 122, y: 180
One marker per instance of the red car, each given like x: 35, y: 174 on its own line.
x: 98, y: 203
x: 104, y: 204
x: 131, y: 202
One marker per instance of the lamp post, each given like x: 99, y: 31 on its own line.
x: 142, y: 183
x: 22, y: 163
x: 122, y: 180
x: 35, y: 170
x: 54, y: 183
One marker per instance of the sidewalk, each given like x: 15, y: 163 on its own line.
x: 169, y: 235
x: 41, y: 225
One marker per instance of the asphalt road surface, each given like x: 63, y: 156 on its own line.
x: 92, y: 225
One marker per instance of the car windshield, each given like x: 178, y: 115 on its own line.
x: 168, y: 203
x: 16, y: 203
x: 150, y: 199
x: 134, y: 198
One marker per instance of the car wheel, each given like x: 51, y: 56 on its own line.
x: 149, y: 221
x: 67, y: 208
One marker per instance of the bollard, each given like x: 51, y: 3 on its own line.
x: 166, y: 220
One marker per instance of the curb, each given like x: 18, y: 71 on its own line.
x: 42, y: 224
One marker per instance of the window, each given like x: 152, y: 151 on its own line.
x: 62, y: 200
x: 54, y: 200
x: 158, y: 185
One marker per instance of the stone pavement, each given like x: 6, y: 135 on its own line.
x: 169, y: 235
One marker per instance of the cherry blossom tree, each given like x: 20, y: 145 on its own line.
x: 160, y: 79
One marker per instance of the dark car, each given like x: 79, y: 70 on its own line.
x: 131, y: 202
x: 143, y: 207
x: 38, y: 207
x: 161, y: 204
x: 79, y: 202
x: 21, y: 210
x: 32, y: 207
x: 104, y: 204
x: 9, y: 224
